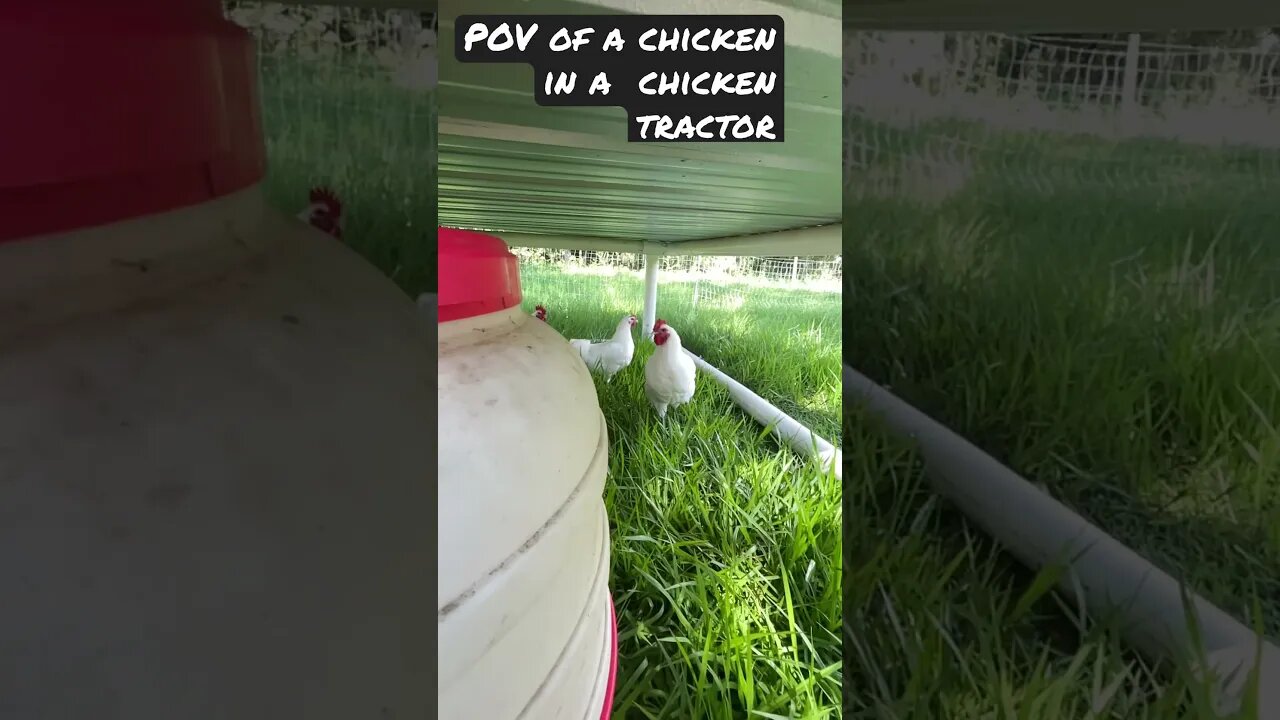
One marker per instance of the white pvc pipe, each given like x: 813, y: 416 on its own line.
x: 1102, y: 573
x: 650, y: 313
x: 784, y: 427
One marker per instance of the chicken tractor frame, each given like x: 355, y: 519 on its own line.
x: 566, y: 178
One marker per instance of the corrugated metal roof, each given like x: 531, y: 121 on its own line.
x: 507, y: 164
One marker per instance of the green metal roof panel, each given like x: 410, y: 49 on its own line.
x: 507, y: 164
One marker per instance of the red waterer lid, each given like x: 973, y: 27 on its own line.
x: 120, y: 109
x: 478, y: 275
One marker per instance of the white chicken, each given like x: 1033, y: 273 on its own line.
x: 427, y: 305
x: 540, y: 313
x: 669, y: 373
x: 324, y: 212
x: 611, y: 355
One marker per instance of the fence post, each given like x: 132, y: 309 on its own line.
x: 795, y: 269
x: 1129, y: 90
x: 409, y: 26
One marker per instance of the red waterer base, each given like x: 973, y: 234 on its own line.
x: 613, y: 663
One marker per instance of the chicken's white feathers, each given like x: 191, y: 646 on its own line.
x: 611, y: 355
x: 669, y: 374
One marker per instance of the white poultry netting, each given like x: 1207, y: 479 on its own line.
x: 348, y: 98
x: 695, y: 282
x: 926, y: 112
x: 336, y: 75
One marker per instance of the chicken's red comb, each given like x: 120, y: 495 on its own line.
x: 539, y: 307
x: 659, y: 323
x: 326, y: 197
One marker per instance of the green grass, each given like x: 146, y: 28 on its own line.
x: 726, y: 547
x: 941, y: 625
x: 1120, y: 347
x: 334, y: 122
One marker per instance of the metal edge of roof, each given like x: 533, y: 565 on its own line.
x: 430, y: 6
x: 804, y: 28
x: 804, y: 241
x: 1046, y: 16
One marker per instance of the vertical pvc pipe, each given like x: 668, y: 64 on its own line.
x: 1102, y: 572
x: 650, y: 313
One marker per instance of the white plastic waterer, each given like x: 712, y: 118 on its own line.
x: 212, y: 474
x: 524, y: 613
